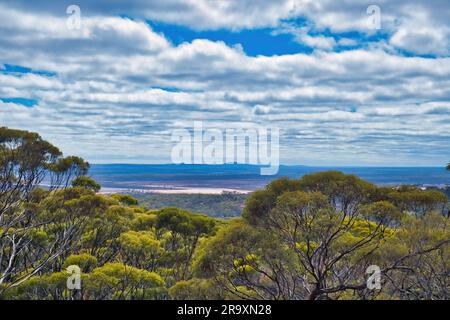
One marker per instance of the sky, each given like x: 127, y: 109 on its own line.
x: 342, y: 89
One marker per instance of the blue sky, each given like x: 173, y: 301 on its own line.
x: 253, y: 42
x: 341, y: 91
x: 269, y: 41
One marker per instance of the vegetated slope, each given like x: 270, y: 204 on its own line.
x: 222, y: 205
x: 313, y: 238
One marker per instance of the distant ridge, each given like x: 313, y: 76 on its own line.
x: 247, y: 177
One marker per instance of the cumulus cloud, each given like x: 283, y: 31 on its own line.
x: 198, y: 14
x: 420, y: 27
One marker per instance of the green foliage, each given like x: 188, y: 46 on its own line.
x: 195, y: 289
x: 329, y: 231
x: 125, y: 199
x: 223, y: 205
x: 260, y: 203
x: 140, y: 249
x: 344, y: 191
x: 86, y: 182
x: 247, y: 263
x: 311, y: 238
x: 119, y: 281
x: 38, y: 227
x: 144, y: 221
x: 184, y: 232
x: 71, y: 163
x: 182, y: 222
x: 417, y: 201
x: 46, y: 287
x: 84, y: 261
x: 382, y: 211
x: 26, y: 149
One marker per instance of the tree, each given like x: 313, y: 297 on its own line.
x: 311, y: 238
x: 416, y: 201
x: 50, y: 286
x: 417, y: 259
x: 195, y: 289
x: 87, y: 183
x: 333, y: 247
x: 110, y: 281
x: 122, y: 282
x: 324, y: 237
x: 25, y: 161
x: 140, y: 250
x: 185, y: 231
x: 65, y: 169
x: 85, y: 261
x: 101, y: 238
x: 125, y: 199
x: 344, y: 192
x: 261, y: 202
x: 248, y: 263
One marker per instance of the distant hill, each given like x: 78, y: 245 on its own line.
x: 247, y: 177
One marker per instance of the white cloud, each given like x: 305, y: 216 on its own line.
x: 420, y: 27
x: 302, y: 36
x: 423, y: 40
x: 347, y: 42
x: 198, y: 14
x: 123, y: 86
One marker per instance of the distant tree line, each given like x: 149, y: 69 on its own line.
x: 225, y: 205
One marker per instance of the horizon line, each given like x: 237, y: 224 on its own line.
x: 259, y: 165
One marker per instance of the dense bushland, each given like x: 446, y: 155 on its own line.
x: 225, y: 205
x: 312, y: 238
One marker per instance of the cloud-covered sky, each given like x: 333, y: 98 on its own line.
x: 341, y: 92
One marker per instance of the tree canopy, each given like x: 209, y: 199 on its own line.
x: 310, y: 238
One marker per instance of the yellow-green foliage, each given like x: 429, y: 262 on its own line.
x: 321, y: 232
x: 119, y: 281
x: 194, y: 289
x: 85, y: 261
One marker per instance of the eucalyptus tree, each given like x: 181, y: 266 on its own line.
x: 27, y: 161
x: 184, y: 231
x: 315, y: 238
